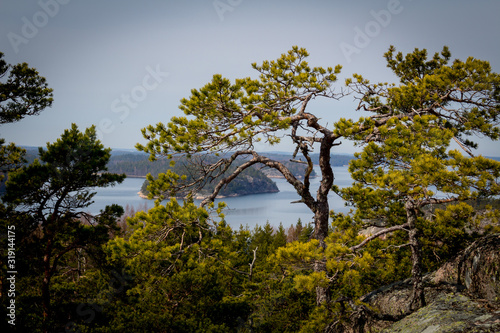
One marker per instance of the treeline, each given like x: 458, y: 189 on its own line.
x: 254, y: 180
x: 139, y: 165
x: 226, y: 282
x: 251, y: 181
x: 174, y: 268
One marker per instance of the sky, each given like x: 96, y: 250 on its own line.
x: 124, y: 65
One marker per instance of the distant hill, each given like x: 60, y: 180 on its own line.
x: 256, y: 180
x: 335, y: 159
x: 138, y: 164
x: 250, y: 181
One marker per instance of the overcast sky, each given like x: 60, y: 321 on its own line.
x: 123, y: 65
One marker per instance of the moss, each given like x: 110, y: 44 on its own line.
x: 448, y: 313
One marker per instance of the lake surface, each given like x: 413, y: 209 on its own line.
x: 248, y: 210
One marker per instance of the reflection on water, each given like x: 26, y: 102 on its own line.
x: 248, y: 210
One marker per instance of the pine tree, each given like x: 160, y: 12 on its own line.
x: 54, y: 192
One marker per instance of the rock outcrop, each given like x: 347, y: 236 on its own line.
x: 462, y: 296
x: 452, y: 312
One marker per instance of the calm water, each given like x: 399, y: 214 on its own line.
x: 245, y: 210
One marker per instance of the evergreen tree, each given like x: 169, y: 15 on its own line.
x: 408, y: 171
x: 25, y: 93
x: 407, y: 160
x: 54, y: 193
x: 406, y: 167
x: 187, y: 272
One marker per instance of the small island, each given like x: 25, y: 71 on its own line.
x: 251, y: 181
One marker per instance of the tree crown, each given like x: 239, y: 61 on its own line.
x: 225, y: 116
x: 25, y: 92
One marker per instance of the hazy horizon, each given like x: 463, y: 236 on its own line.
x: 125, y: 65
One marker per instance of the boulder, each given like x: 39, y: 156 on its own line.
x: 462, y: 296
x: 451, y: 312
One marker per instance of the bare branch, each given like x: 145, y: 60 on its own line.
x: 463, y: 147
x: 301, y: 189
x: 253, y: 262
x: 378, y: 234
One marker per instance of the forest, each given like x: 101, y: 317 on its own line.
x: 416, y: 204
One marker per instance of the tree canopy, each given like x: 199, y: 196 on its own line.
x: 53, y: 193
x: 419, y: 197
x: 228, y: 118
x: 24, y: 93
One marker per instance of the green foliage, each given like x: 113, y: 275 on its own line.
x: 178, y: 259
x: 24, y: 93
x: 270, y: 292
x: 412, y: 165
x: 192, y: 274
x: 47, y: 201
x: 64, y: 172
x: 226, y: 119
x: 11, y: 157
x: 181, y: 268
x: 405, y: 168
x: 225, y: 116
x: 464, y: 95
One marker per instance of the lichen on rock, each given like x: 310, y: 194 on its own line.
x: 450, y: 313
x: 462, y: 296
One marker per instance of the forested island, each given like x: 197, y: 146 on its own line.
x: 253, y: 180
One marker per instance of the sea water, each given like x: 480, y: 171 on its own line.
x: 248, y: 210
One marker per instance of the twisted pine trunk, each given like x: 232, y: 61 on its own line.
x: 418, y: 298
x: 322, y: 212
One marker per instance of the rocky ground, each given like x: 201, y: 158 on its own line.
x: 462, y: 296
x: 453, y: 312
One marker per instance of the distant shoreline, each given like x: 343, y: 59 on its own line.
x: 196, y: 197
x: 202, y: 197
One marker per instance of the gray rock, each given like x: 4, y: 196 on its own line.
x: 462, y: 296
x: 450, y: 313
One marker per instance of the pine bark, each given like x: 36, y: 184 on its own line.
x: 417, y: 300
x: 322, y: 212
